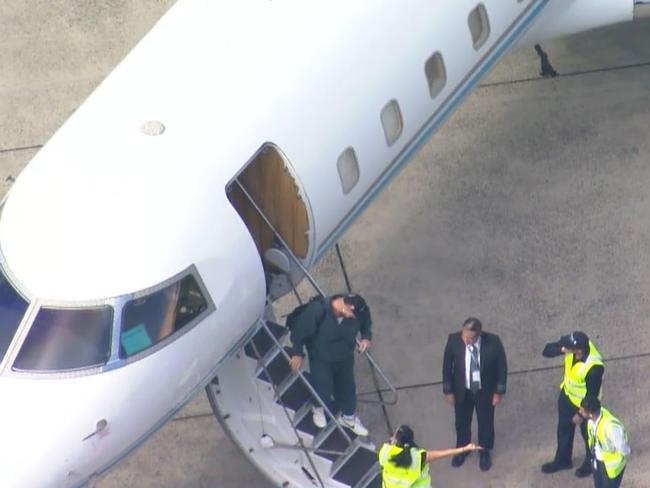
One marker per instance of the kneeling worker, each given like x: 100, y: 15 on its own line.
x: 404, y: 464
x: 607, y: 441
x: 329, y: 328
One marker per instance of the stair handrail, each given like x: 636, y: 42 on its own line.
x: 319, y: 290
x: 282, y: 241
x: 391, y: 387
x: 301, y: 446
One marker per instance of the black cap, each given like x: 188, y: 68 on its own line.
x: 357, y: 303
x: 575, y: 340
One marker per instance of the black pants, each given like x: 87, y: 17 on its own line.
x: 566, y: 430
x: 602, y: 481
x: 464, y: 411
x: 334, y: 382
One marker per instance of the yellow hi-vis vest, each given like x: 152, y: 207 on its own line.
x: 613, y: 460
x: 415, y: 476
x: 574, y: 384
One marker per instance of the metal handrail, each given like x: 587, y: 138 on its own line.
x: 301, y: 446
x: 391, y: 387
x: 319, y: 290
x: 282, y: 241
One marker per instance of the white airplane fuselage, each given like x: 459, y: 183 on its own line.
x: 129, y: 197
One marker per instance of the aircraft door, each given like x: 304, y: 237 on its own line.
x: 271, y: 183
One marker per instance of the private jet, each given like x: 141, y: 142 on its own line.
x: 133, y: 245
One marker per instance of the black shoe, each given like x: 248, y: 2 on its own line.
x: 458, y: 459
x: 585, y: 469
x: 485, y: 462
x: 554, y: 466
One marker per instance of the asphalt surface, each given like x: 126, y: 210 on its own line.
x: 529, y: 209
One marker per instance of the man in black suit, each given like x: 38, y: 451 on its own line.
x: 474, y: 375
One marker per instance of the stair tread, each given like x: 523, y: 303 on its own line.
x: 296, y: 395
x: 278, y: 369
x: 263, y: 341
x: 356, y: 466
x: 334, y: 441
x: 376, y: 482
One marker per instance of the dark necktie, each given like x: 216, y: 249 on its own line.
x: 474, y: 369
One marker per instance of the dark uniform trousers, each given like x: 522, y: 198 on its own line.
x: 335, y: 378
x: 464, y: 409
x: 566, y: 430
x: 602, y: 481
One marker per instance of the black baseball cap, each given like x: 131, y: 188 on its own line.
x: 575, y: 340
x: 355, y: 301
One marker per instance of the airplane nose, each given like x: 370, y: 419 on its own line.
x: 41, y: 444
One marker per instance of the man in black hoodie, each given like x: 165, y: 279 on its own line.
x: 329, y: 329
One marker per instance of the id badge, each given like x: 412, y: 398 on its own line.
x: 476, y: 376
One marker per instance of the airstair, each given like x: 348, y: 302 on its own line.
x: 266, y: 408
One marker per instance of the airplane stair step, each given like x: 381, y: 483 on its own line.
x: 358, y: 467
x: 331, y: 439
x: 277, y: 368
x: 263, y: 341
x: 258, y: 396
x: 304, y: 423
x: 374, y: 481
x: 296, y: 394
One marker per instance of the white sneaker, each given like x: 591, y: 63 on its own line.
x: 318, y: 417
x: 354, y: 424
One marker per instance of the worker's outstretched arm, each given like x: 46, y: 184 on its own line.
x: 437, y: 454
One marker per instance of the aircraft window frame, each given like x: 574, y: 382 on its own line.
x: 478, y: 23
x: 25, y: 322
x: 109, y: 324
x: 392, y: 121
x: 436, y: 73
x: 29, y: 303
x: 184, y: 328
x: 347, y: 165
x: 117, y: 303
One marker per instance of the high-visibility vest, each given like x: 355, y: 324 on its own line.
x: 415, y: 476
x: 573, y: 384
x: 613, y: 460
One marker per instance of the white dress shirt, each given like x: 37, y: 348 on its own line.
x: 468, y: 360
x: 614, y: 439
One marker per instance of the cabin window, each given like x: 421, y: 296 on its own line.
x: 64, y: 339
x: 150, y: 319
x: 479, y: 25
x: 12, y: 309
x: 348, y: 167
x: 436, y: 74
x: 391, y: 120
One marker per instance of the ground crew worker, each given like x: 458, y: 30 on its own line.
x: 583, y: 375
x: 329, y: 329
x: 607, y: 441
x: 405, y: 465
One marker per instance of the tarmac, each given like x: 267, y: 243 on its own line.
x: 526, y: 210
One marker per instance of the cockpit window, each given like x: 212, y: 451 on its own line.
x: 150, y: 319
x: 12, y: 310
x: 63, y: 339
